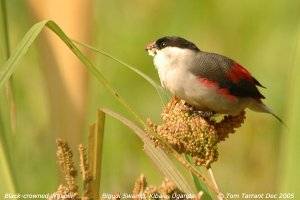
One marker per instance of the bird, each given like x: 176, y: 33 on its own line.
x: 208, y: 81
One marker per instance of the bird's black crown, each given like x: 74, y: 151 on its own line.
x: 174, y: 41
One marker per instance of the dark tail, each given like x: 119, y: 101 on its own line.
x: 280, y: 120
x: 260, y: 107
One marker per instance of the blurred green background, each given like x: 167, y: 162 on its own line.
x: 262, y: 35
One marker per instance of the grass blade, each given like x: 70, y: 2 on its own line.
x: 164, y: 96
x: 159, y: 157
x: 8, y: 183
x: 9, y: 89
x: 199, y: 185
x: 10, y: 65
x: 93, y: 69
x: 96, y: 135
x: 22, y: 48
x: 5, y: 28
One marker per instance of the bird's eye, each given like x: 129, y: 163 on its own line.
x: 163, y: 44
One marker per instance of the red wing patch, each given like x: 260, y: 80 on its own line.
x: 213, y: 85
x: 207, y: 83
x: 238, y: 73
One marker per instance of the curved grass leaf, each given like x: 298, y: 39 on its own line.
x: 92, y: 68
x: 158, y: 156
x: 10, y: 65
x: 164, y: 96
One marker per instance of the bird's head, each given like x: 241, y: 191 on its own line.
x: 168, y: 43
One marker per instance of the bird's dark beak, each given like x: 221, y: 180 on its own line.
x: 151, y: 48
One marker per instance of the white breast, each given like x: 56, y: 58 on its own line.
x: 170, y: 63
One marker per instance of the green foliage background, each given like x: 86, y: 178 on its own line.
x: 262, y: 35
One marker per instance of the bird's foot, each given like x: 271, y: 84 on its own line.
x: 204, y: 114
x: 195, y: 111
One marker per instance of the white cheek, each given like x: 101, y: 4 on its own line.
x: 160, y: 60
x: 161, y: 66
